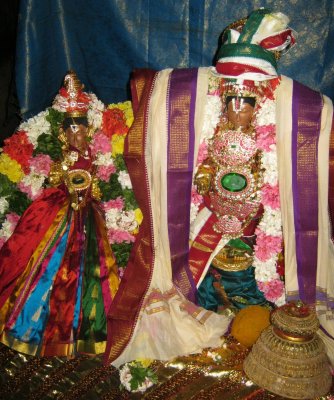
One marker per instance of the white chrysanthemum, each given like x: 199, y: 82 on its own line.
x: 96, y: 108
x: 269, y: 163
x: 125, y: 377
x: 124, y: 180
x: 112, y: 216
x: 94, y: 118
x: 127, y: 221
x: 59, y: 103
x: 193, y: 212
x: 103, y: 159
x: 271, y: 222
x: 95, y: 103
x: 35, y: 126
x: 121, y: 220
x: 6, y: 230
x: 144, y: 386
x: 267, y: 113
x: 265, y: 270
x: 3, y: 205
x: 211, y: 117
x: 34, y: 181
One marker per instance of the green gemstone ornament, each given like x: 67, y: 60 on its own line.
x: 234, y: 182
x: 77, y: 180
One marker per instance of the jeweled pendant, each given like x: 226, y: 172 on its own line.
x: 234, y: 182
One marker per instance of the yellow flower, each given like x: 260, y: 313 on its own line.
x: 126, y: 107
x: 117, y: 143
x: 145, y: 362
x: 249, y: 323
x: 138, y: 216
x: 11, y: 168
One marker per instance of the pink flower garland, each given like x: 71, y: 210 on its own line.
x: 41, y: 164
x: 265, y: 136
x: 116, y: 236
x: 268, y: 246
x: 272, y: 289
x: 104, y: 172
x: 100, y: 144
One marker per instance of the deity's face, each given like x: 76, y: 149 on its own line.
x: 76, y: 133
x: 240, y: 115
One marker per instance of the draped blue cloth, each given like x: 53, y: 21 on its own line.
x: 104, y: 40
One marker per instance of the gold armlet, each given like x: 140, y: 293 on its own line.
x: 56, y: 174
x: 95, y: 190
x: 203, y: 179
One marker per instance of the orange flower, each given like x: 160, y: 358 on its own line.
x: 114, y: 122
x: 19, y: 149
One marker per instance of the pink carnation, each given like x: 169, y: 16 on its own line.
x: 101, y: 144
x: 196, y: 198
x: 13, y: 219
x: 272, y: 289
x: 120, y: 236
x: 117, y: 203
x: 41, y: 164
x: 270, y: 196
x: 28, y: 191
x: 266, y: 245
x: 202, y: 153
x: 265, y: 136
x: 104, y: 172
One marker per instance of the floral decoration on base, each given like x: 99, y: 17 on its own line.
x: 137, y: 376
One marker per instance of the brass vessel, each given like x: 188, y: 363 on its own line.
x: 289, y: 357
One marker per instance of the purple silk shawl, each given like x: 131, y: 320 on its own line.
x: 180, y: 160
x: 306, y: 121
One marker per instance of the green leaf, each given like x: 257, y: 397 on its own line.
x: 129, y: 199
x: 112, y: 189
x: 120, y: 163
x: 18, y: 202
x: 6, y: 186
x: 56, y: 119
x: 121, y: 252
x: 48, y: 144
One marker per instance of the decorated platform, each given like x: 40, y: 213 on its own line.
x: 213, y: 374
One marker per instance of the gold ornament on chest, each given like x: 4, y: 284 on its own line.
x: 230, y: 178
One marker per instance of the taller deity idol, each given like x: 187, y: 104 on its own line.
x: 230, y: 166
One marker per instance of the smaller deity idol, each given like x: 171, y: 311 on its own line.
x: 58, y: 272
x: 230, y: 180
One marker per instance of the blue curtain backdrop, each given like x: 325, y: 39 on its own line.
x: 104, y: 40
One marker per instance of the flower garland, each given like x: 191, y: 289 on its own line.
x: 268, y: 271
x: 269, y: 231
x: 137, y: 376
x: 27, y: 156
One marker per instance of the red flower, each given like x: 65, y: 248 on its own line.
x: 63, y: 92
x: 114, y: 122
x: 19, y: 149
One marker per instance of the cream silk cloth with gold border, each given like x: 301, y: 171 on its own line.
x: 325, y: 261
x: 168, y: 325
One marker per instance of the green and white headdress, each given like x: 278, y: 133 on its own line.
x: 251, y: 47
